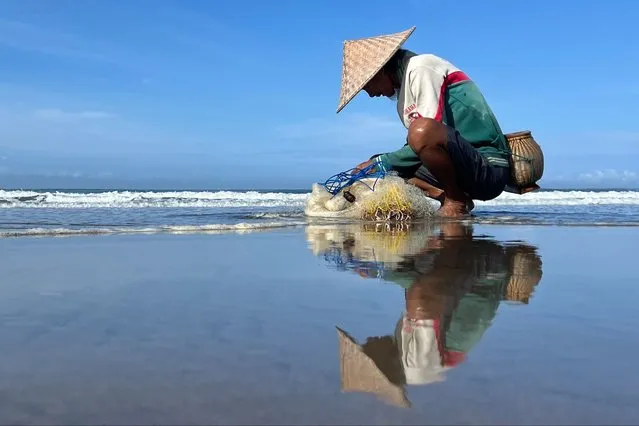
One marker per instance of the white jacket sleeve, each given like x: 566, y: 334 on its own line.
x: 425, y: 88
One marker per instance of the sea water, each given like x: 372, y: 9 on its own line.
x: 64, y: 212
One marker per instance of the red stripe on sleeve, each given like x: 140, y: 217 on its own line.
x: 449, y: 358
x: 452, y: 78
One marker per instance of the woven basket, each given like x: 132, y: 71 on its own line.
x: 527, y: 159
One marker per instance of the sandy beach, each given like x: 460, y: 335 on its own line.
x: 247, y: 329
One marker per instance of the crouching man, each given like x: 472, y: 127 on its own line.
x: 455, y: 150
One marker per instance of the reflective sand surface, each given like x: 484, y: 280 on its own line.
x: 352, y: 324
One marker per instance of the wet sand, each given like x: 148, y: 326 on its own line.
x: 247, y: 329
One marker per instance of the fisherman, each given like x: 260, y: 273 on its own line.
x: 455, y: 150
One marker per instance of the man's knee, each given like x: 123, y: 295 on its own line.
x: 426, y: 133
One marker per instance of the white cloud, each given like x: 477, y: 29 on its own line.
x: 56, y: 114
x: 349, y: 129
x: 333, y: 143
x: 25, y: 36
x: 589, y: 144
x: 178, y: 31
x: 609, y: 175
x: 322, y: 146
x: 64, y: 173
x: 85, y: 131
x: 349, y: 136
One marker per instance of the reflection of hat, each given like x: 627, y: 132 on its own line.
x: 359, y: 373
x: 363, y: 58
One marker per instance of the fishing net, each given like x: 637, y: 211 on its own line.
x: 391, y: 203
x: 380, y: 197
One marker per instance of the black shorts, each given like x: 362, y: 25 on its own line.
x: 475, y: 176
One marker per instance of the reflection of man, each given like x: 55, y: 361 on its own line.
x: 450, y: 306
x: 453, y: 288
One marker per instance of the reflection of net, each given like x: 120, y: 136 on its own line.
x: 394, y: 243
x: 345, y: 261
x: 389, y: 227
x: 369, y: 245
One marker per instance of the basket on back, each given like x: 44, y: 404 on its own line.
x: 527, y: 159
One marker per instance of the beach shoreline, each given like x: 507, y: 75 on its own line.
x: 237, y: 329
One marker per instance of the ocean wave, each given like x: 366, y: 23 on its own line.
x: 239, y: 228
x: 148, y: 199
x: 566, y: 198
x: 294, y: 201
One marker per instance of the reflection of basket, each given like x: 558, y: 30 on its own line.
x: 527, y: 159
x: 526, y: 272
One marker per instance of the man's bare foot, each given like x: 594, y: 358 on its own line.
x: 470, y: 205
x: 452, y: 208
x: 435, y: 193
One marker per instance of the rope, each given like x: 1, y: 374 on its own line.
x: 519, y: 157
x: 337, y: 182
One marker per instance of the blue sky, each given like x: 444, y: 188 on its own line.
x: 243, y: 94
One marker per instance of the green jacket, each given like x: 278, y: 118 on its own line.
x: 433, y: 87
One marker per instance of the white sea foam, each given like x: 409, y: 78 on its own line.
x: 146, y: 199
x: 566, y: 198
x: 240, y: 228
x: 231, y: 199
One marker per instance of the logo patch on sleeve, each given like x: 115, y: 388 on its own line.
x: 409, y: 108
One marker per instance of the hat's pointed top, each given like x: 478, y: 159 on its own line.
x: 363, y: 58
x: 359, y: 373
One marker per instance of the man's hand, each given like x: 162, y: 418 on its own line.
x: 363, y: 165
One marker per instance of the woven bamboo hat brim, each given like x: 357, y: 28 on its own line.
x: 363, y: 58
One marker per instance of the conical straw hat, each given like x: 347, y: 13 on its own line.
x: 363, y: 58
